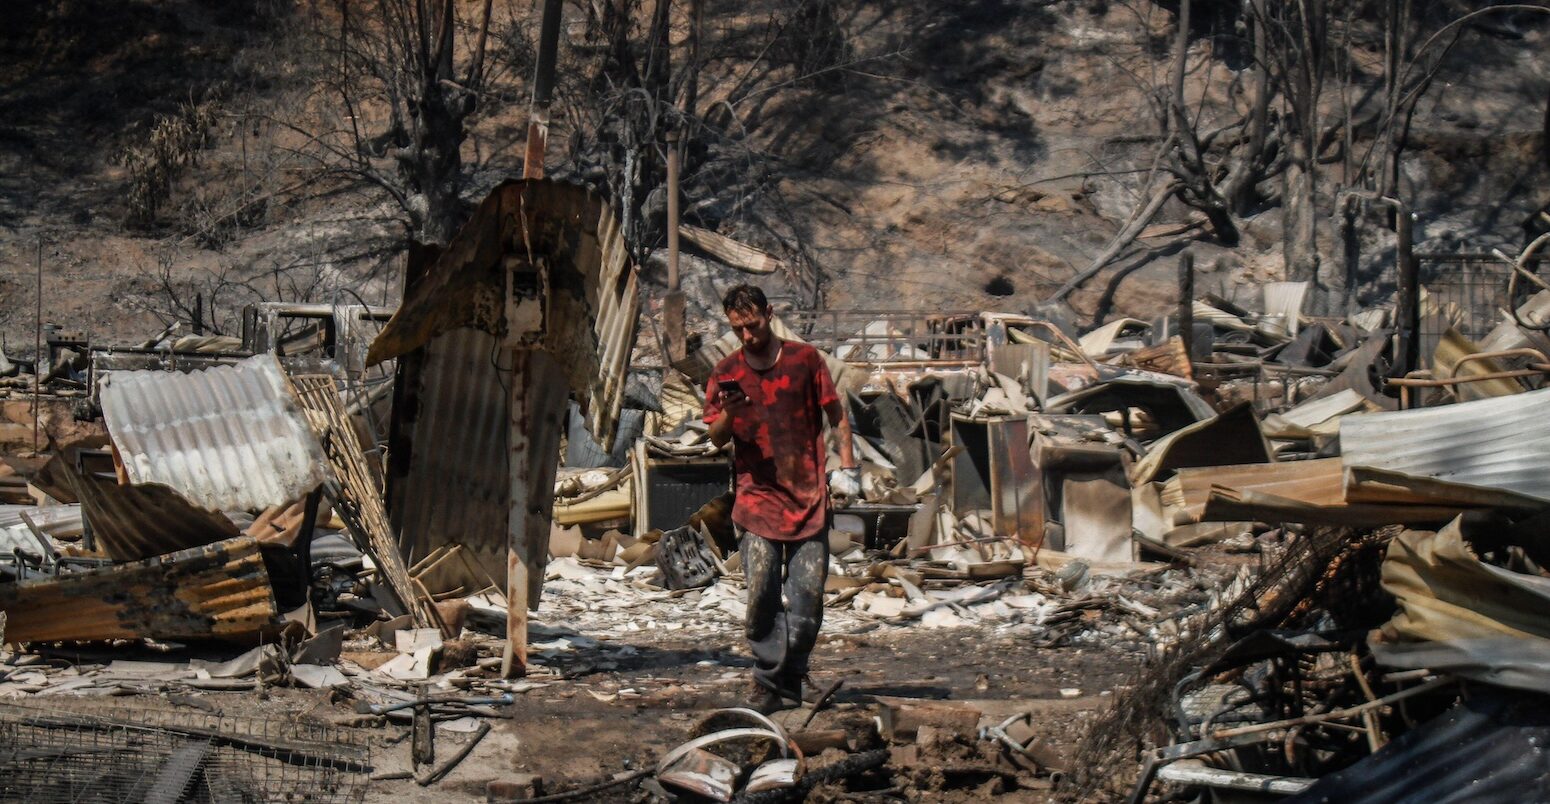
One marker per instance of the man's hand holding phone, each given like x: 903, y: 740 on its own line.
x: 731, y: 395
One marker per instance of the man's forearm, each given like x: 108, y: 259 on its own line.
x: 847, y: 449
x: 841, y: 424
x: 721, y: 430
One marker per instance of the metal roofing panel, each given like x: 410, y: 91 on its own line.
x: 1495, y: 443
x: 134, y: 522
x: 219, y: 590
x: 572, y: 247
x: 448, y: 475
x: 228, y: 437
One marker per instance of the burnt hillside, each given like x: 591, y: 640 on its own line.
x: 898, y: 154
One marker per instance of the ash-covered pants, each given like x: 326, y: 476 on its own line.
x: 785, y: 606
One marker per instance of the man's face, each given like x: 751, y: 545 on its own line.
x: 752, y: 327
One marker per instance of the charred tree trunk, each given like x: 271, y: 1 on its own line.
x: 1300, y: 244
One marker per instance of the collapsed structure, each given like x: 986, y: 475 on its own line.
x: 1334, y: 581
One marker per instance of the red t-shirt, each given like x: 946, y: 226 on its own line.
x: 779, y: 457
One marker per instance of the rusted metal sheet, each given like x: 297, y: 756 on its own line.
x: 129, y: 523
x: 1234, y: 505
x: 556, y: 250
x: 220, y: 590
x: 359, y: 499
x: 1168, y: 357
x: 1499, y: 443
x: 447, y: 468
x: 228, y: 437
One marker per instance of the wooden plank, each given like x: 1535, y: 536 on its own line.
x: 738, y: 255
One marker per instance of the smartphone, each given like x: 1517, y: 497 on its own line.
x: 729, y: 387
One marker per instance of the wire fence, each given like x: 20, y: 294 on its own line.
x: 1467, y: 292
x: 94, y: 751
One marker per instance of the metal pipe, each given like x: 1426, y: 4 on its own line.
x: 1195, y: 772
x: 1504, y: 354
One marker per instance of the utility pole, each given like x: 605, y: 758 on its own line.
x: 543, y: 91
x: 37, y: 353
x: 673, y: 304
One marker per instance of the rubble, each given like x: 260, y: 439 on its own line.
x: 1295, y: 540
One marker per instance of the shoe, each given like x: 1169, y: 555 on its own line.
x: 764, y: 700
x: 791, y: 689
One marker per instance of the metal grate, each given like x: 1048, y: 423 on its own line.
x: 1467, y: 291
x: 100, y: 752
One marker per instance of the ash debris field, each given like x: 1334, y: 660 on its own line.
x: 362, y: 438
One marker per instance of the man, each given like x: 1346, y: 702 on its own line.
x: 766, y: 398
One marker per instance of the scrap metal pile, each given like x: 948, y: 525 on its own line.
x: 1334, y: 581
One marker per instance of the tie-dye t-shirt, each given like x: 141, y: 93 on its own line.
x: 782, y: 492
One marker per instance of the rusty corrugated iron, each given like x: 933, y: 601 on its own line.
x: 447, y: 470
x: 226, y: 438
x: 540, y: 262
x: 219, y: 590
x: 129, y: 523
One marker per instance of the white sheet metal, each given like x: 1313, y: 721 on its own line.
x: 1495, y: 443
x: 1284, y: 299
x: 226, y: 438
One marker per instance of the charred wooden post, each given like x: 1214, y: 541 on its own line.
x: 1408, y: 308
x: 1187, y: 302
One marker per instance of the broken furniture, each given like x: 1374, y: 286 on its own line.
x: 668, y: 488
x: 993, y: 471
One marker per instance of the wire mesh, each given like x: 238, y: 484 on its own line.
x: 1466, y: 291
x: 98, y: 752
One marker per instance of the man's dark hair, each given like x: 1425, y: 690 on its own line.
x: 745, y: 297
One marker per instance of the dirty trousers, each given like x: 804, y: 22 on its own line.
x: 785, y: 606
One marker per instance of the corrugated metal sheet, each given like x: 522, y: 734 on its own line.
x: 1284, y: 299
x: 220, y: 590
x: 587, y: 301
x: 1495, y: 443
x: 229, y: 437
x: 1490, y: 747
x: 129, y: 523
x: 1475, y: 620
x: 1319, y: 482
x: 447, y: 472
